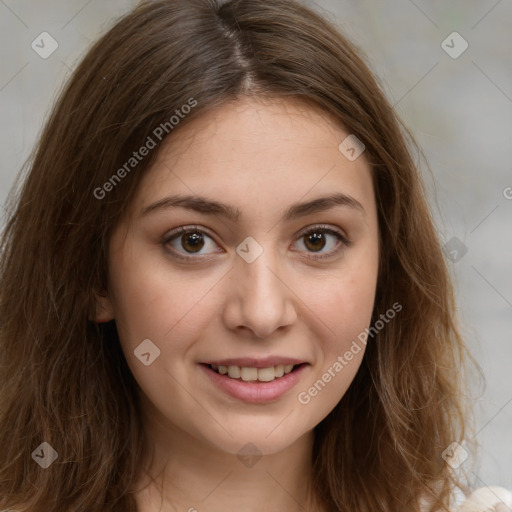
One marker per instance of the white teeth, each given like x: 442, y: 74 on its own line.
x: 266, y: 374
x: 249, y: 374
x: 234, y: 372
x: 279, y: 370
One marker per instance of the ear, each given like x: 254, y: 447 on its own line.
x: 104, y: 309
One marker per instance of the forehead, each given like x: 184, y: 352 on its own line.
x: 247, y: 125
x: 257, y: 153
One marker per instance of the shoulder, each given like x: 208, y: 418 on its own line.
x: 487, y: 499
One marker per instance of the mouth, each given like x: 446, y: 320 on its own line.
x: 255, y: 381
x: 253, y: 374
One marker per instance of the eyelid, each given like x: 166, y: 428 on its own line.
x: 187, y: 229
x: 324, y: 227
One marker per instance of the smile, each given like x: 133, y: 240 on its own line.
x: 249, y: 374
x: 252, y: 384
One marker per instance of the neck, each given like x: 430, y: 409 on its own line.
x: 189, y: 474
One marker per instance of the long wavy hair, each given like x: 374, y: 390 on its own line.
x: 64, y: 379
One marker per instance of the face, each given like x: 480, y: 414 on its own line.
x: 257, y: 273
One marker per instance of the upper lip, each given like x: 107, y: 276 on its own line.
x: 253, y: 362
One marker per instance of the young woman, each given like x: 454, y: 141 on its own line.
x: 221, y: 286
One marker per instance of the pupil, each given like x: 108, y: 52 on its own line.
x: 315, y: 238
x: 194, y: 240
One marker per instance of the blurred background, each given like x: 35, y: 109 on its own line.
x: 447, y: 68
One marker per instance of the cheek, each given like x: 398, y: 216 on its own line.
x: 345, y: 308
x: 153, y: 302
x: 169, y: 309
x: 346, y: 302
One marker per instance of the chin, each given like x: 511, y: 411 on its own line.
x: 256, y: 442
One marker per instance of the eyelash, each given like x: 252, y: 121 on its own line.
x: 182, y: 230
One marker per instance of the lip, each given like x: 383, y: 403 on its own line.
x: 255, y: 391
x: 253, y: 362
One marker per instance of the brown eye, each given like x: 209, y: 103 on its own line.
x: 194, y: 241
x: 318, y: 238
x: 315, y: 241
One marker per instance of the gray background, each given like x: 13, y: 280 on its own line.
x: 459, y: 109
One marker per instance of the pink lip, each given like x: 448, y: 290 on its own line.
x: 255, y: 391
x: 252, y: 362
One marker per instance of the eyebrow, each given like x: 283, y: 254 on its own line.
x: 208, y: 206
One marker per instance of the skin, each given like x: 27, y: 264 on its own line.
x: 259, y: 156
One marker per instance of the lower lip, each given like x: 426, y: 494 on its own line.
x: 255, y: 391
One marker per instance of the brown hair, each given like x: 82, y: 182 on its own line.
x: 64, y: 379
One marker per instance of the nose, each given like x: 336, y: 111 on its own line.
x: 259, y: 300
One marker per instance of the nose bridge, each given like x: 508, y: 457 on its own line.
x: 261, y: 281
x: 260, y: 291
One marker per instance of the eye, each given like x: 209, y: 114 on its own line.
x: 191, y: 239
x: 185, y: 242
x: 315, y: 239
